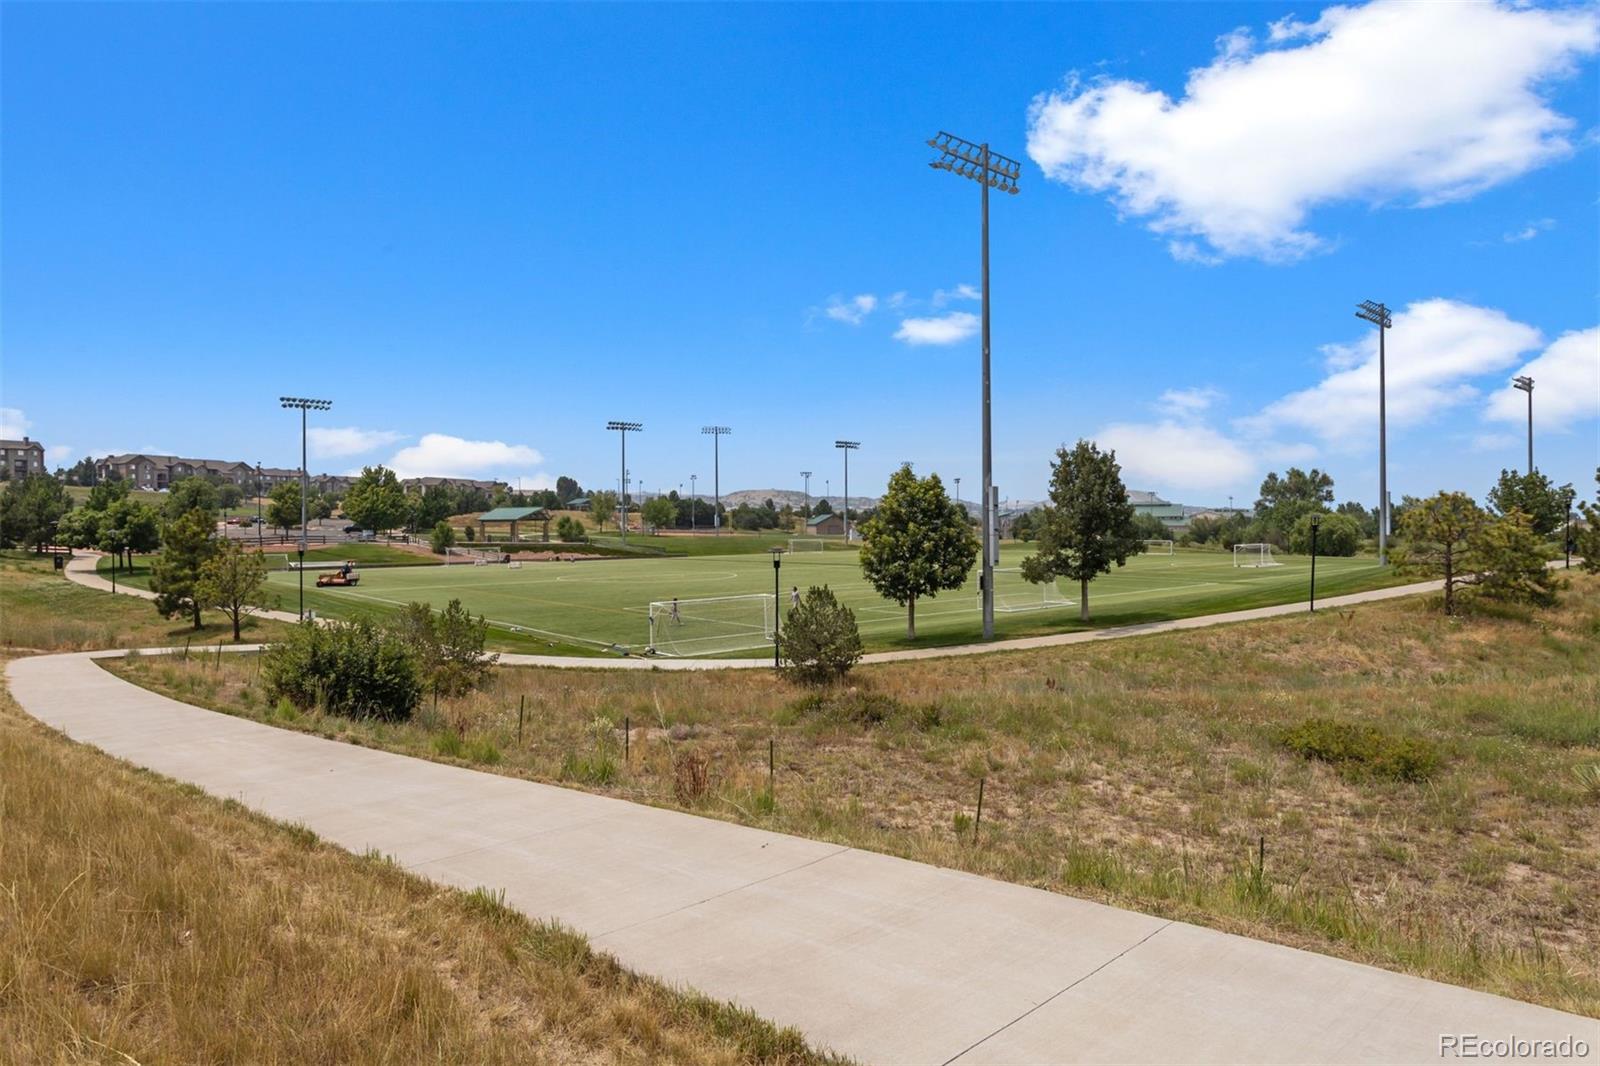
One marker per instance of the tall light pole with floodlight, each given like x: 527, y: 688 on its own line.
x: 1378, y: 315
x: 303, y: 405
x: 807, y: 475
x: 716, y: 433
x: 1525, y: 384
x: 991, y: 171
x: 694, y: 504
x: 847, y: 446
x: 623, y: 429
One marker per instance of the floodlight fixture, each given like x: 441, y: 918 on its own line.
x: 716, y: 433
x: 1525, y: 384
x: 623, y: 429
x: 1378, y: 314
x: 302, y: 404
x: 990, y: 170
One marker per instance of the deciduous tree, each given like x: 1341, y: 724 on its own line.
x: 1087, y: 527
x: 190, y: 494
x: 230, y: 580
x: 917, y: 543
x: 30, y: 509
x: 1338, y: 534
x: 1544, y: 505
x: 283, y: 505
x: 602, y: 505
x: 376, y: 501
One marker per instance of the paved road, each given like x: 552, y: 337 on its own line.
x: 877, y: 957
x: 82, y: 570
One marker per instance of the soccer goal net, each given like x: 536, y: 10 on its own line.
x: 1013, y: 592
x: 474, y: 556
x: 1250, y: 555
x: 711, y: 626
x: 807, y: 544
x: 1158, y: 547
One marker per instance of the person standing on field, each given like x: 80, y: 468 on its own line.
x: 794, y: 597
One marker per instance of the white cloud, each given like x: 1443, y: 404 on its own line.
x: 58, y: 455
x: 1179, y: 455
x: 441, y: 455
x: 348, y: 440
x: 1187, y: 403
x: 896, y: 300
x: 960, y: 292
x: 1394, y: 100
x: 952, y: 328
x: 852, y: 311
x: 14, y: 425
x: 1566, y: 384
x: 1434, y: 347
x: 1529, y: 232
x: 1492, y: 442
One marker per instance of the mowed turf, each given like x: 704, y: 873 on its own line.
x: 596, y: 605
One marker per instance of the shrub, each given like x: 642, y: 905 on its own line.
x: 354, y: 669
x: 691, y: 776
x: 1363, y: 749
x: 570, y: 530
x: 442, y: 538
x: 448, y: 646
x: 820, y: 640
x: 596, y: 769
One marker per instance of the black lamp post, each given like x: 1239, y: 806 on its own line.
x: 1316, y: 520
x: 1566, y: 535
x: 777, y: 610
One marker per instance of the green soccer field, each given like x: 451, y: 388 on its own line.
x: 598, y: 606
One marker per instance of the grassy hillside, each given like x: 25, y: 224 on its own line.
x: 143, y: 921
x: 1426, y: 791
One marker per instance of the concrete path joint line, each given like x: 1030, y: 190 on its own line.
x: 1056, y: 994
x: 725, y: 892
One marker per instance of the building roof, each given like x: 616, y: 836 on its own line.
x: 578, y: 503
x: 511, y: 514
x: 821, y: 518
x: 23, y: 443
x: 1138, y: 498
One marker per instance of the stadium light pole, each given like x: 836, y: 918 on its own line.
x: 847, y: 446
x: 623, y: 428
x: 1525, y: 384
x: 716, y: 433
x: 303, y: 405
x: 694, y: 505
x: 1378, y: 315
x: 1316, y: 520
x: 991, y: 171
x: 807, y: 475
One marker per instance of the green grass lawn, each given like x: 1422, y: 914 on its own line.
x: 595, y: 605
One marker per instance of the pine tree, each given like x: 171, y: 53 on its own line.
x: 1435, y: 535
x: 1507, y: 555
x: 1088, y: 525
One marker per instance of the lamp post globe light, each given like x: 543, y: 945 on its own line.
x: 716, y: 433
x: 623, y: 429
x: 303, y: 405
x: 847, y: 446
x: 1525, y: 384
x: 991, y: 171
x: 1378, y: 315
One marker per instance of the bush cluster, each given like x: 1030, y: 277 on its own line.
x: 820, y: 641
x: 1358, y: 749
x: 356, y: 669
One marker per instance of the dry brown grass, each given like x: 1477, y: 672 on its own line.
x: 1142, y: 772
x: 141, y: 921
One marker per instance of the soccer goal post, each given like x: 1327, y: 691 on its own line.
x: 712, y: 626
x: 1253, y: 555
x: 1013, y: 592
x: 1158, y: 547
x: 807, y: 544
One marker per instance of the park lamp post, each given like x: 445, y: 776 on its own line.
x: 1566, y: 534
x: 777, y: 605
x: 1378, y: 315
x: 1316, y: 520
x: 303, y: 405
x: 259, y: 544
x: 624, y: 428
x: 991, y: 171
x: 716, y: 433
x: 847, y: 446
x: 1525, y: 384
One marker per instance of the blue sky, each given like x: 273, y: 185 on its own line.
x: 482, y: 231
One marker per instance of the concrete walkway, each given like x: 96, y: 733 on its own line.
x: 81, y: 570
x: 887, y: 960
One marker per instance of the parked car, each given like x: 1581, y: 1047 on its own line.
x: 352, y: 529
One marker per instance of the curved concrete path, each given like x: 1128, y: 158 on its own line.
x: 81, y: 569
x: 880, y: 958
